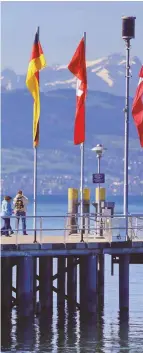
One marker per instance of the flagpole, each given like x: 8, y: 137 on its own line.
x: 35, y: 182
x: 35, y: 193
x: 82, y: 173
x: 128, y: 24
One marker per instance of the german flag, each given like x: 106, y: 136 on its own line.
x: 37, y: 63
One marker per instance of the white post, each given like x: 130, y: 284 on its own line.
x: 82, y: 173
x: 35, y: 193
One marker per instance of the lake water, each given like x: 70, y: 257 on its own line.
x: 67, y: 332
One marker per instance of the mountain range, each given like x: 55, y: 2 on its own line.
x: 106, y: 74
x: 57, y: 155
x: 104, y: 116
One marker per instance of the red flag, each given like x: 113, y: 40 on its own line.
x: 78, y: 67
x: 137, y: 107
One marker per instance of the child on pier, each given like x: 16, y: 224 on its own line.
x: 6, y: 213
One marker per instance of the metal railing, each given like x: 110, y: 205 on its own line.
x: 95, y: 226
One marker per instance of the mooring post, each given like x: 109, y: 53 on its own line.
x: 61, y: 281
x: 25, y: 285
x: 46, y: 282
x: 72, y: 221
x: 71, y: 281
x: 88, y: 284
x: 100, y: 281
x: 6, y: 283
x: 124, y: 282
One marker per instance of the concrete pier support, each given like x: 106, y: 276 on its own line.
x: 25, y: 285
x: 71, y: 281
x: 101, y: 281
x: 88, y: 284
x: 72, y: 220
x: 61, y: 281
x: 34, y: 280
x: 45, y: 282
x: 6, y: 284
x: 124, y: 282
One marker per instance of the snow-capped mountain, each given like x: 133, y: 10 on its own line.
x: 106, y: 74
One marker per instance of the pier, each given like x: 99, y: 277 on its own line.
x: 33, y: 266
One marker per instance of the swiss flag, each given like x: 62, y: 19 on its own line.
x: 78, y: 68
x: 137, y: 108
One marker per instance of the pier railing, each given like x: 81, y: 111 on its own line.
x: 95, y: 226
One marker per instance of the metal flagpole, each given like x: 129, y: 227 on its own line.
x: 81, y: 188
x: 126, y: 157
x: 82, y: 173
x: 128, y: 32
x: 35, y: 182
x: 35, y: 192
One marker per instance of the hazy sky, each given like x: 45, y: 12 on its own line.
x: 61, y: 27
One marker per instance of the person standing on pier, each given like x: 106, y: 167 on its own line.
x: 6, y: 213
x: 20, y: 204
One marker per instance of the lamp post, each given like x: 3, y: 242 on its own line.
x: 99, y: 149
x: 128, y: 32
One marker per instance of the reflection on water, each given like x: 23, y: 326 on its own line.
x: 67, y: 330
x: 6, y: 331
x: 25, y: 333
x: 123, y: 331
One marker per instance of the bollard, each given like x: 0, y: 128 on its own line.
x: 100, y: 194
x: 72, y: 222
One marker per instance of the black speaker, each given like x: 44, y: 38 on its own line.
x: 128, y: 27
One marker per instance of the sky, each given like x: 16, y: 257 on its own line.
x: 61, y: 27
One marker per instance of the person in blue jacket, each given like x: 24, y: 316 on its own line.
x: 6, y: 213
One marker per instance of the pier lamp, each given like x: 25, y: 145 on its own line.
x: 128, y: 33
x: 99, y: 149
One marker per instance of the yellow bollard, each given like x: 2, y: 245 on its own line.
x: 72, y: 194
x: 100, y: 194
x: 73, y: 204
